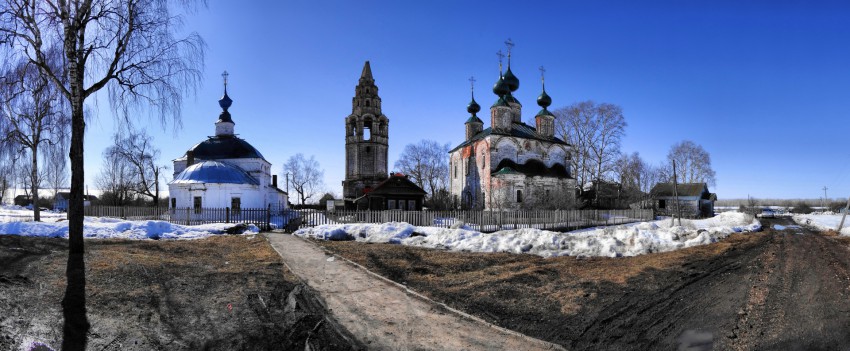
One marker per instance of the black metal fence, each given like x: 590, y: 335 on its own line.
x: 483, y: 221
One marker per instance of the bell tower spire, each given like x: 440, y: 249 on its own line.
x: 366, y: 138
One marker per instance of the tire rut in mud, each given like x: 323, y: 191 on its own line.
x: 666, y: 305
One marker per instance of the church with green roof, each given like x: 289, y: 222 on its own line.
x: 510, y: 164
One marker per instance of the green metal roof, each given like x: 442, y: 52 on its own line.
x: 500, y: 102
x: 544, y: 112
x: 519, y: 130
x: 505, y: 170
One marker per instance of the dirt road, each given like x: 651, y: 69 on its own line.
x: 790, y: 291
x: 774, y: 290
x: 386, y: 316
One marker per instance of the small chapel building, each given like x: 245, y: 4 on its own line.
x: 224, y: 171
x: 511, y: 165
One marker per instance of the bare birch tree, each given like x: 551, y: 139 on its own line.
x: 126, y: 46
x: 115, y: 180
x: 693, y: 163
x: 595, y: 132
x: 305, y: 176
x: 7, y: 174
x: 610, y: 127
x: 136, y: 149
x: 33, y: 118
x: 56, y: 174
x: 427, y: 164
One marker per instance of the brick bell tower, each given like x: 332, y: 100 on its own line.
x: 366, y: 139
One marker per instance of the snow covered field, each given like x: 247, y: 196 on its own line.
x: 103, y: 228
x: 13, y: 213
x: 823, y: 221
x: 623, y: 240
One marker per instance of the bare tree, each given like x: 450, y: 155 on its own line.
x: 610, y: 127
x: 427, y: 164
x: 575, y: 125
x: 115, y: 180
x: 126, y: 46
x: 33, y: 118
x: 595, y: 132
x: 629, y: 170
x: 137, y: 150
x: 129, y: 48
x: 693, y: 163
x: 56, y: 173
x: 305, y: 176
x: 7, y: 174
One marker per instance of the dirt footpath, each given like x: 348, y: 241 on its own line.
x: 386, y: 316
x: 774, y: 290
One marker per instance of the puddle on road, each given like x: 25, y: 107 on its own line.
x: 696, y: 340
x: 796, y: 228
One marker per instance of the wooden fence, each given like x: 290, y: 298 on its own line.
x: 484, y: 221
x: 264, y: 218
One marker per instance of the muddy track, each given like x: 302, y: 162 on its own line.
x: 788, y: 291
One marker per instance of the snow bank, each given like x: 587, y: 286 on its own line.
x: 105, y: 228
x: 823, y: 221
x: 624, y: 240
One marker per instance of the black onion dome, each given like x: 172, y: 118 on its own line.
x: 225, y: 101
x: 473, y: 107
x: 511, y: 80
x: 544, y: 100
x: 500, y: 88
x: 223, y: 147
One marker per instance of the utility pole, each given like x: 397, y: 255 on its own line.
x: 843, y: 216
x: 823, y: 204
x: 287, y: 183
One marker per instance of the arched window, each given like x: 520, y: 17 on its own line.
x: 519, y: 196
x: 367, y: 103
x: 367, y: 128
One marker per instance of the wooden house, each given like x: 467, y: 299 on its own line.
x: 694, y: 200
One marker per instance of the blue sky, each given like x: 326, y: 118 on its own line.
x: 763, y: 86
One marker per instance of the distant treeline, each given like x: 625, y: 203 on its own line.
x: 831, y: 203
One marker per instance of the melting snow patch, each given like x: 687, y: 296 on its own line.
x: 105, y: 228
x: 624, y: 240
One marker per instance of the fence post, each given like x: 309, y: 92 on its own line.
x: 268, y: 217
x: 227, y: 215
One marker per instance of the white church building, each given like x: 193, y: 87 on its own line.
x: 224, y: 171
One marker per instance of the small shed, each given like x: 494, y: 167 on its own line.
x: 395, y: 193
x: 694, y: 199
